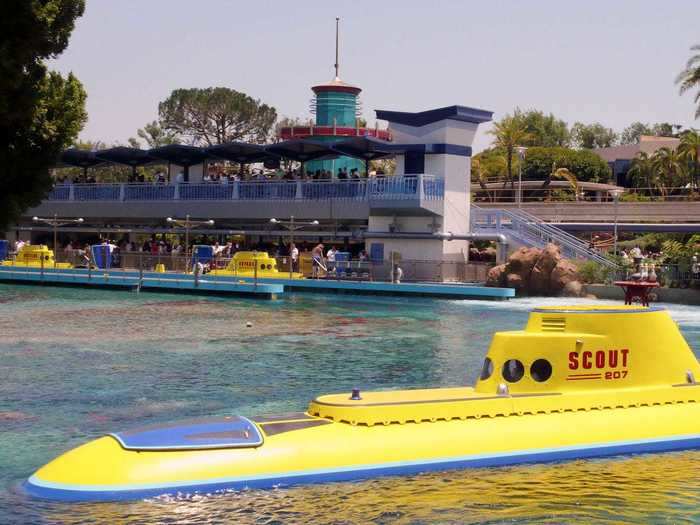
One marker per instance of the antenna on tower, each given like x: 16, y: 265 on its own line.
x: 337, y: 66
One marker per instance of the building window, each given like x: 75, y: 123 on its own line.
x: 414, y: 162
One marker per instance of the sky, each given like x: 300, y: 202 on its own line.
x: 608, y: 61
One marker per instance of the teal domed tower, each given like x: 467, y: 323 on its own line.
x: 337, y: 108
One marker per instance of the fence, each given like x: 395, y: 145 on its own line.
x: 547, y: 194
x: 428, y: 187
x: 671, y: 275
x: 413, y: 271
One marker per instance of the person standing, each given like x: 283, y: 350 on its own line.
x: 294, y: 254
x: 317, y: 260
x: 330, y: 258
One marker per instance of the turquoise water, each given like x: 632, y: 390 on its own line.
x: 77, y: 363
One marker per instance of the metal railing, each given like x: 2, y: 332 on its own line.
x: 173, y: 264
x: 567, y: 194
x: 428, y: 187
x: 529, y: 230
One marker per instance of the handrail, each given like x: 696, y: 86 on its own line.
x: 422, y: 186
x: 533, y: 232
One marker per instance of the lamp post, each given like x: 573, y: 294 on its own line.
x: 55, y: 222
x: 291, y: 226
x: 521, y: 156
x: 616, y: 198
x: 188, y: 223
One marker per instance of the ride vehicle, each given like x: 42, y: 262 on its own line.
x: 577, y: 382
x: 35, y: 256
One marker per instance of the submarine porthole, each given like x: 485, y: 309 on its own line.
x: 513, y: 371
x: 486, y: 370
x: 541, y: 370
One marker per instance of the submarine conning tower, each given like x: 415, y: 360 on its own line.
x: 567, y: 359
x: 587, y: 348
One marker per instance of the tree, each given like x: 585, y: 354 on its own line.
x: 689, y: 78
x: 689, y: 151
x: 543, y: 130
x: 154, y: 136
x: 642, y: 171
x: 562, y: 173
x: 632, y: 133
x: 585, y: 165
x: 510, y: 132
x: 216, y: 116
x: 589, y: 136
x: 669, y: 167
x: 41, y: 112
x: 288, y: 122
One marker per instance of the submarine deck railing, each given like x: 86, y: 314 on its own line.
x: 424, y: 186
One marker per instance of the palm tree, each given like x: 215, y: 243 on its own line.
x: 689, y: 78
x: 689, y: 151
x: 562, y: 173
x: 480, y: 177
x: 642, y: 171
x: 509, y: 133
x: 669, y: 168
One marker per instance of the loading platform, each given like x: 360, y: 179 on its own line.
x: 164, y: 282
x: 229, y: 285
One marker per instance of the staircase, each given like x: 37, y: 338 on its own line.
x: 527, y: 230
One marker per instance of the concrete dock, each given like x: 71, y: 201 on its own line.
x: 229, y: 285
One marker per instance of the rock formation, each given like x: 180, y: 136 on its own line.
x: 532, y: 271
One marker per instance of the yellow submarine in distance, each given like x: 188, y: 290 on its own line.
x: 255, y: 264
x: 36, y: 256
x: 577, y: 382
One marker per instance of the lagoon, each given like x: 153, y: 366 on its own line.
x: 78, y: 363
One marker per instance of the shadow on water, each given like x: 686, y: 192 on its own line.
x: 79, y: 363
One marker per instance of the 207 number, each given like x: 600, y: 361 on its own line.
x: 617, y: 374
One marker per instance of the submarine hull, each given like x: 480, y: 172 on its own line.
x: 103, y: 470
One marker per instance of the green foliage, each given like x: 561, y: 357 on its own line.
x: 510, y: 132
x: 592, y: 272
x: 689, y: 78
x: 216, y: 115
x: 41, y: 112
x: 634, y: 197
x: 589, y: 136
x: 689, y: 152
x: 632, y: 133
x: 154, y: 136
x: 585, y: 165
x: 542, y: 130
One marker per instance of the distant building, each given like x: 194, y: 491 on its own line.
x: 619, y: 158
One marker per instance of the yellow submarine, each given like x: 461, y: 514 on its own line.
x: 255, y: 264
x: 577, y: 382
x: 36, y: 256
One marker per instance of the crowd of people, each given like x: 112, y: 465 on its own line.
x: 218, y: 174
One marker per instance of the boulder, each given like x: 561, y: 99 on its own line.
x: 539, y: 281
x: 496, y: 276
x: 523, y: 260
x: 564, y: 272
x: 572, y: 289
x: 549, y: 258
x: 515, y: 280
x: 537, y: 272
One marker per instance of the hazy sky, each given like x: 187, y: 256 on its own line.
x: 612, y: 61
